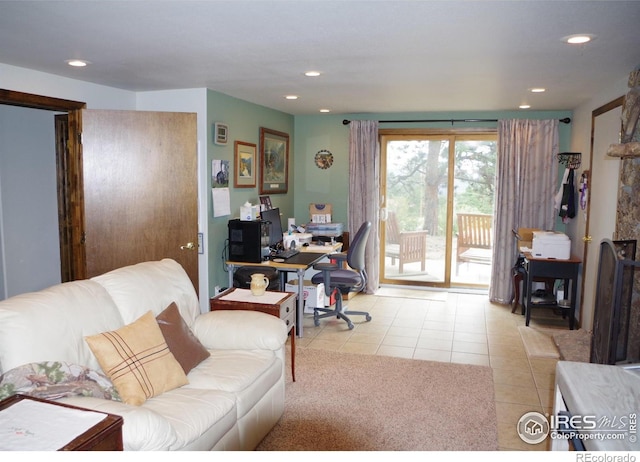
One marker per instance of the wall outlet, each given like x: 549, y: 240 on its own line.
x: 216, y: 290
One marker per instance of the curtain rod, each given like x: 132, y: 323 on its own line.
x: 566, y: 120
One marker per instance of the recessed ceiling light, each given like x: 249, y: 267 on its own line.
x: 312, y: 73
x: 537, y: 90
x: 524, y: 106
x: 578, y: 39
x: 325, y: 110
x: 291, y: 96
x: 77, y: 62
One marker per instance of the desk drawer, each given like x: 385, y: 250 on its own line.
x: 290, y: 320
x: 288, y: 307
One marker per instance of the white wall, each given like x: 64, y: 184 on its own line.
x: 30, y: 251
x: 605, y: 181
x: 38, y: 83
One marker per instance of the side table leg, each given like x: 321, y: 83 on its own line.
x: 517, y: 277
x: 293, y: 353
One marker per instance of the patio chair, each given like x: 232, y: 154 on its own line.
x: 405, y: 246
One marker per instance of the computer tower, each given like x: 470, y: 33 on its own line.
x: 245, y: 241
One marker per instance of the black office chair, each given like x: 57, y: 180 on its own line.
x: 340, y: 281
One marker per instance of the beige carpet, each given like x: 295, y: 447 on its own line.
x: 573, y: 345
x: 538, y: 343
x: 343, y: 402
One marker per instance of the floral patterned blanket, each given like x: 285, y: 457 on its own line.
x: 55, y: 380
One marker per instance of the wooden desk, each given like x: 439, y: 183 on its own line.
x: 284, y: 308
x: 298, y: 264
x: 104, y: 436
x: 567, y: 270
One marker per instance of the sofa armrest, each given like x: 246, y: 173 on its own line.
x: 240, y: 330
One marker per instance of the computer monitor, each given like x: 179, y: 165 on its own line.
x: 275, y: 226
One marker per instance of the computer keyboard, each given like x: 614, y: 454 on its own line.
x: 286, y: 254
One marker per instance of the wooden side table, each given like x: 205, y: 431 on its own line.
x: 283, y: 307
x: 104, y: 436
x: 551, y: 269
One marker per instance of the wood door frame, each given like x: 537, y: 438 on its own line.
x: 587, y: 238
x: 72, y: 252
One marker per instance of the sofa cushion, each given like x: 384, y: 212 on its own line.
x: 137, y: 360
x: 247, y: 374
x: 49, y: 325
x: 193, y: 413
x: 143, y: 429
x: 186, y: 348
x: 151, y: 285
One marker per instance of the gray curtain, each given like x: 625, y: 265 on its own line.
x: 364, y: 191
x: 525, y: 190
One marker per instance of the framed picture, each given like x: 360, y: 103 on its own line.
x: 274, y: 161
x: 245, y: 165
x: 265, y: 201
x: 220, y: 133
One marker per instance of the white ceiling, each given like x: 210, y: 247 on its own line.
x: 375, y: 56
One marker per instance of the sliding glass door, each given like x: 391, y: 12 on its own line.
x: 432, y: 184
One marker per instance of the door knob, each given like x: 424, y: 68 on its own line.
x: 188, y: 246
x: 586, y: 239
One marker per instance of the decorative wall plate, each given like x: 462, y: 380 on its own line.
x: 324, y: 159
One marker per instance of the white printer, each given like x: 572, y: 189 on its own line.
x: 551, y: 244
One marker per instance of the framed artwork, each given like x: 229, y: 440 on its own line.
x: 220, y: 133
x: 265, y: 201
x: 245, y: 165
x: 274, y: 161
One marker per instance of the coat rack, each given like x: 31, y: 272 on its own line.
x: 571, y: 160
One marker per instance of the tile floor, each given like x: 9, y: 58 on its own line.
x: 451, y: 327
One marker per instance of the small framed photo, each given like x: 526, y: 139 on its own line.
x: 265, y: 203
x: 245, y: 165
x: 220, y: 133
x: 274, y: 161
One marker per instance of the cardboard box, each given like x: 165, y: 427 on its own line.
x: 320, y: 213
x: 313, y: 294
x: 526, y: 237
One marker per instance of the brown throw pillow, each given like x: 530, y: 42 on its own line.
x: 185, y: 346
x: 137, y: 360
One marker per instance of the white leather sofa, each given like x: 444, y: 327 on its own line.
x: 233, y: 398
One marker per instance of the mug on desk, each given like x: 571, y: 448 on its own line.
x: 259, y: 284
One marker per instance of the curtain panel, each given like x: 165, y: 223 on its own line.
x: 525, y: 191
x: 364, y: 191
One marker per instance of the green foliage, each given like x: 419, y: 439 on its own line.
x: 417, y: 181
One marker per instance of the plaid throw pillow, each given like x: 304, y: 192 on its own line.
x: 137, y: 360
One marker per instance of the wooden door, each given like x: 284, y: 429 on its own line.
x: 140, y: 189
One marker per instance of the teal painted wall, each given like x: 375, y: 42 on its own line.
x: 244, y: 120
x: 326, y: 131
x: 308, y: 134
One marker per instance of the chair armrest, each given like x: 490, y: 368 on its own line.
x: 326, y: 266
x: 338, y: 259
x: 240, y: 330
